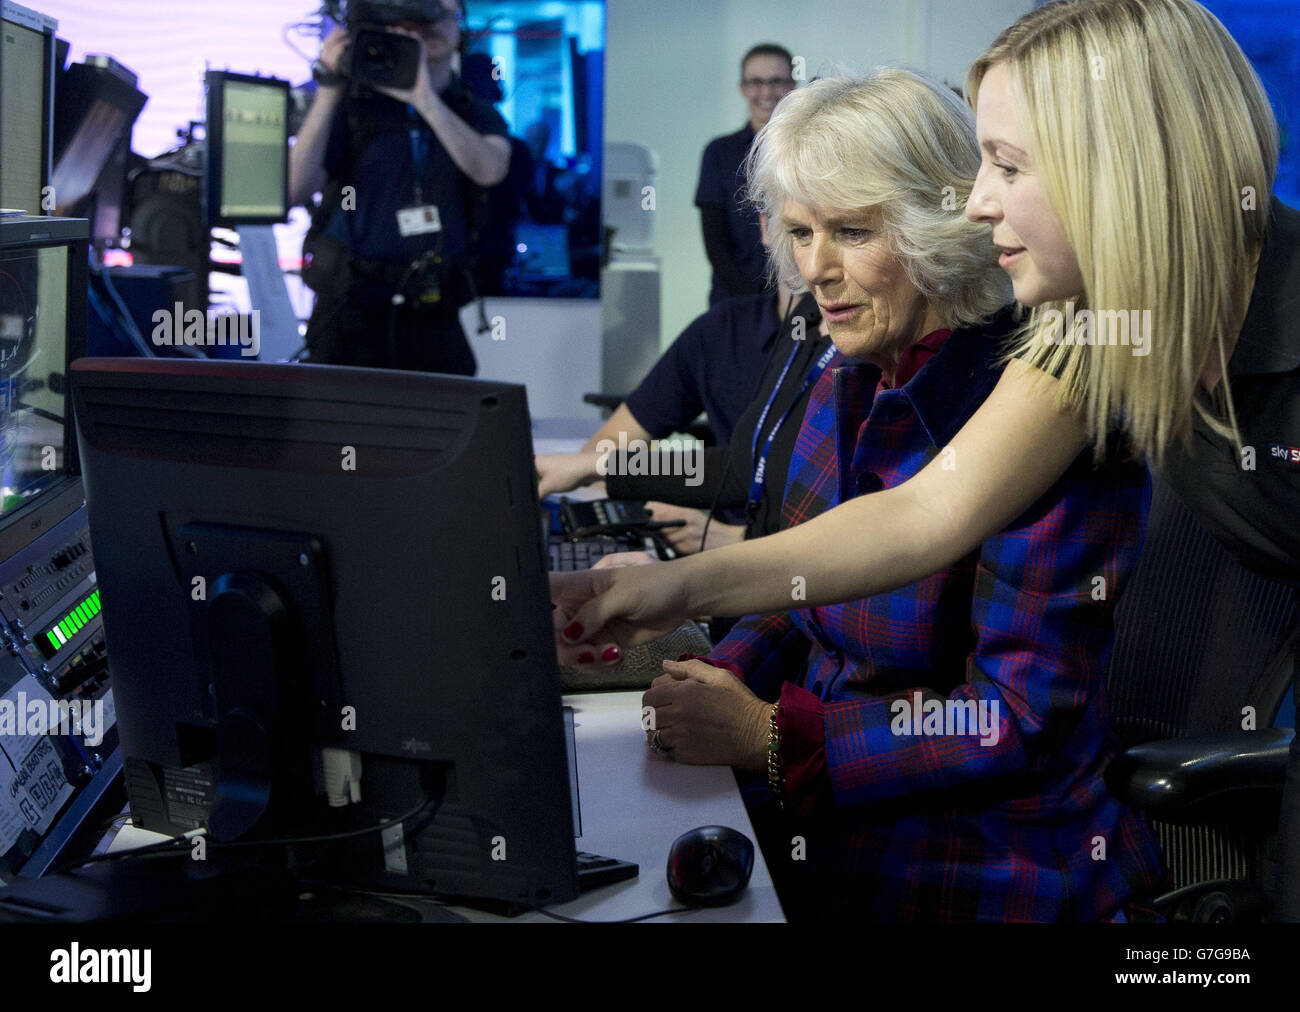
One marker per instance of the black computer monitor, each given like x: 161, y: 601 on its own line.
x: 300, y: 558
x: 43, y: 274
x: 98, y: 104
x: 247, y: 175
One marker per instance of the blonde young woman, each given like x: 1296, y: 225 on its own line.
x: 1161, y: 205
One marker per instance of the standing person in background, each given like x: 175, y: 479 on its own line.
x: 732, y: 237
x: 402, y: 173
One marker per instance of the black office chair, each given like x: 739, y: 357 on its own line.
x: 1198, y: 639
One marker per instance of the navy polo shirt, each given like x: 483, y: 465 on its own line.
x: 1254, y: 511
x: 384, y: 176
x: 722, y: 184
x: 714, y: 366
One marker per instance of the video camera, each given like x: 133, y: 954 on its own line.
x: 378, y: 57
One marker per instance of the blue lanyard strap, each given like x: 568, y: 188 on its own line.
x: 760, y: 460
x: 419, y: 155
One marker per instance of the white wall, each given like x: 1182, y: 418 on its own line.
x: 169, y: 45
x: 672, y: 68
x: 552, y: 346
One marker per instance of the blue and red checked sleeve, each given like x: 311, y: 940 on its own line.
x: 1044, y: 642
x: 801, y: 719
x: 764, y: 650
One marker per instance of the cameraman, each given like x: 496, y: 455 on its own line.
x: 403, y: 174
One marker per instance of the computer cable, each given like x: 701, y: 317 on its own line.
x: 392, y: 894
x: 111, y: 822
x: 305, y: 28
x: 184, y: 844
x: 49, y: 416
x: 123, y: 320
x: 127, y: 322
x: 625, y: 920
x: 476, y: 297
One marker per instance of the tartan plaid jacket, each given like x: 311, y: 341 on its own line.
x: 908, y: 808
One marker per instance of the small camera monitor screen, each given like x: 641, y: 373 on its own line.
x: 33, y: 327
x: 248, y: 150
x: 24, y: 113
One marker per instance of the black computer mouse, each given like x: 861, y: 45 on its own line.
x: 709, y: 866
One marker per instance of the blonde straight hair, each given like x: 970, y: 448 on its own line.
x: 1156, y: 145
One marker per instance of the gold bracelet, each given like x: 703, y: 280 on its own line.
x: 775, y: 768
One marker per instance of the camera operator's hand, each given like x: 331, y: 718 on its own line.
x: 484, y: 159
x: 307, y: 156
x: 331, y: 51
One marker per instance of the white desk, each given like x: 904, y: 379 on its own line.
x: 635, y: 803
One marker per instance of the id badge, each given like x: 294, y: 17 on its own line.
x: 418, y: 220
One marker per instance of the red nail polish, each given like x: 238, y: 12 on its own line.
x: 586, y: 657
x: 572, y: 631
x: 610, y: 655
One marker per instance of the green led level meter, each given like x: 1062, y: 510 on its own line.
x: 71, y: 624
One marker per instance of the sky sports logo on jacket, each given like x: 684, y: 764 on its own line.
x: 1286, y: 454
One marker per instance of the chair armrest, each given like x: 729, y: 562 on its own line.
x: 606, y: 401
x: 1237, y: 774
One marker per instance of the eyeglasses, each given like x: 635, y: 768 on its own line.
x: 775, y: 83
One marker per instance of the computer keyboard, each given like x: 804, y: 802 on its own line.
x: 595, y: 871
x: 572, y: 556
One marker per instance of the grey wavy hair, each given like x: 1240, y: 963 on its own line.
x: 888, y: 139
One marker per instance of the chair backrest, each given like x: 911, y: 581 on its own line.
x: 1198, y: 638
x: 1197, y: 635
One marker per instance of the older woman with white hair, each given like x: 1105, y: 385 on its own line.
x: 934, y: 753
